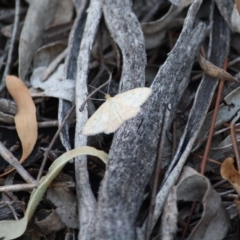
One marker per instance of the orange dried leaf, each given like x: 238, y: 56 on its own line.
x: 229, y: 172
x: 25, y: 119
x: 237, y: 2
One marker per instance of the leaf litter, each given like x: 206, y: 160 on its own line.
x: 25, y: 118
x: 178, y: 49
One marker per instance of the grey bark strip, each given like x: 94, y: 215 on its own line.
x: 86, y: 199
x: 218, y: 52
x: 226, y: 9
x: 71, y: 68
x: 134, y: 147
x: 41, y: 14
x: 126, y: 31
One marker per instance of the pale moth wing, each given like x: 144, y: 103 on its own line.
x: 98, y: 121
x: 114, y: 120
x: 111, y: 114
x: 134, y: 98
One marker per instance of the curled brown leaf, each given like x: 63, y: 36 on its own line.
x: 230, y: 173
x: 214, y: 71
x: 25, y: 118
x: 237, y: 2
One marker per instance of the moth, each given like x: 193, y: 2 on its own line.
x: 116, y: 110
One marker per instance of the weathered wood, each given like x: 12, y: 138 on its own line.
x: 75, y: 39
x: 217, y: 51
x: 76, y: 68
x: 134, y: 147
x: 86, y: 199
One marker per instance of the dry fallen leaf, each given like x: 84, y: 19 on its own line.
x: 25, y: 119
x: 237, y: 2
x: 192, y: 186
x: 48, y: 221
x: 65, y: 205
x: 214, y: 71
x: 54, y: 86
x: 64, y: 12
x: 111, y: 115
x: 39, y: 16
x: 229, y: 172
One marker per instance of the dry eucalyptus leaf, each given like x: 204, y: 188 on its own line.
x: 229, y: 172
x: 235, y: 19
x: 154, y: 32
x: 64, y: 12
x: 193, y: 186
x: 111, y: 114
x: 41, y: 14
x: 54, y: 64
x: 47, y: 53
x: 54, y: 86
x: 65, y: 204
x: 160, y: 24
x: 48, y: 221
x: 25, y: 119
x: 214, y: 222
x: 237, y: 3
x: 214, y: 71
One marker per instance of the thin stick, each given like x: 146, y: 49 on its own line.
x: 234, y: 142
x: 236, y: 60
x: 53, y: 141
x: 157, y: 172
x: 97, y: 89
x: 12, y: 210
x: 98, y: 99
x: 174, y: 138
x: 208, y: 159
x: 214, y: 117
x: 188, y: 220
x: 14, y: 34
x: 30, y: 186
x: 7, y: 155
x: 91, y: 94
x: 219, y: 183
x: 53, y: 65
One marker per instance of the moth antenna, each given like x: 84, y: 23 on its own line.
x: 97, y: 99
x: 93, y: 92
x: 97, y: 89
x: 109, y: 80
